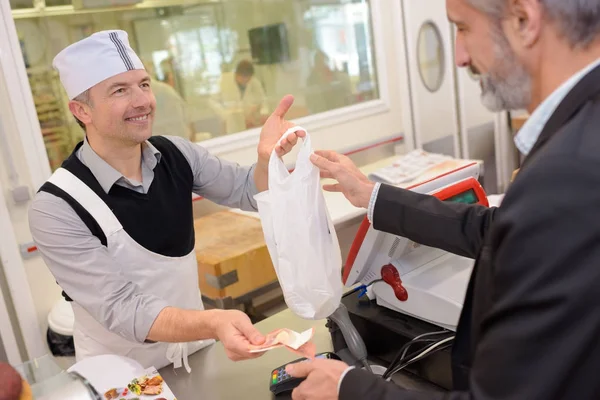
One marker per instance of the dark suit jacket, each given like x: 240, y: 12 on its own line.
x: 530, y: 324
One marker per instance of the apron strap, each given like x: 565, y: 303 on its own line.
x: 178, y: 352
x: 89, y: 200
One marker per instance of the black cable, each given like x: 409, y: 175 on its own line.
x: 425, y: 338
x: 406, y: 364
x: 410, y: 356
x: 392, y: 369
x: 361, y: 287
x: 398, y: 359
x: 416, y: 353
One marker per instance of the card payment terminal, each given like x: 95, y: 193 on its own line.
x: 281, y: 382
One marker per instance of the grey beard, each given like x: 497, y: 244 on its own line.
x: 508, y: 86
x: 512, y: 93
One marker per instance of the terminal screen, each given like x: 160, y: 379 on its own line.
x: 468, y: 197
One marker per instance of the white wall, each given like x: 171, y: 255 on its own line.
x: 32, y: 288
x: 44, y: 290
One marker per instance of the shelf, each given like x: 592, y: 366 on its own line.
x: 47, y: 108
x: 39, y: 105
x: 70, y: 10
x: 56, y: 129
x: 41, y: 70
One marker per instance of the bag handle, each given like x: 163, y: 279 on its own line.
x: 303, y: 160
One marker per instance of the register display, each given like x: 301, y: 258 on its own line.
x: 468, y: 197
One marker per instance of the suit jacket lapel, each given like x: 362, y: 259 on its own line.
x: 586, y: 89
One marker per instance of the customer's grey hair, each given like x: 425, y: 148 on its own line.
x: 578, y: 20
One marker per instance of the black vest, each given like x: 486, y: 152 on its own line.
x: 161, y: 220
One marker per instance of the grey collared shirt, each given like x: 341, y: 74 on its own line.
x: 80, y: 263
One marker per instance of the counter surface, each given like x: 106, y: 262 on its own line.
x: 342, y: 212
x: 215, y: 377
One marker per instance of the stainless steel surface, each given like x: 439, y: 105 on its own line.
x: 215, y: 377
x: 48, y: 381
x: 69, y: 386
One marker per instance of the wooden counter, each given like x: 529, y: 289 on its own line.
x: 233, y: 261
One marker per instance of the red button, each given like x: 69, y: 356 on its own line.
x: 390, y: 275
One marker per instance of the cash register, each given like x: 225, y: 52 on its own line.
x: 409, y: 289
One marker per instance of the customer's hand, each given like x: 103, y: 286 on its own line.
x: 273, y: 129
x: 235, y: 330
x: 351, y: 182
x: 322, y: 379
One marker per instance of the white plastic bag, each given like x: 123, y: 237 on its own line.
x: 300, y: 236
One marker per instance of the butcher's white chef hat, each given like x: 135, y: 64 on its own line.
x: 94, y: 59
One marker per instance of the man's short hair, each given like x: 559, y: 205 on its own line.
x: 577, y: 20
x: 245, y: 68
x: 85, y: 99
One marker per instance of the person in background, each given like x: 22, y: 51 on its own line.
x: 328, y: 88
x: 172, y: 115
x: 530, y: 322
x: 115, y: 225
x: 242, y: 88
x: 169, y: 75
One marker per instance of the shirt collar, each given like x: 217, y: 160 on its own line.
x: 106, y: 175
x: 533, y: 127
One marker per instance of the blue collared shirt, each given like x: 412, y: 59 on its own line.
x: 531, y: 130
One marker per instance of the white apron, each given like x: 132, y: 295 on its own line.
x: 175, y: 279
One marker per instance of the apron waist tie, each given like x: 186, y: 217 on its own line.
x: 178, y: 352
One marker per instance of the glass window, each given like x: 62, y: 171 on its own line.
x: 218, y: 68
x: 53, y: 3
x: 20, y: 4
x: 430, y: 55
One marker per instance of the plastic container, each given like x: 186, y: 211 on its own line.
x: 60, y: 329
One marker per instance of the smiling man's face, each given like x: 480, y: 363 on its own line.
x: 123, y: 107
x: 482, y: 47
